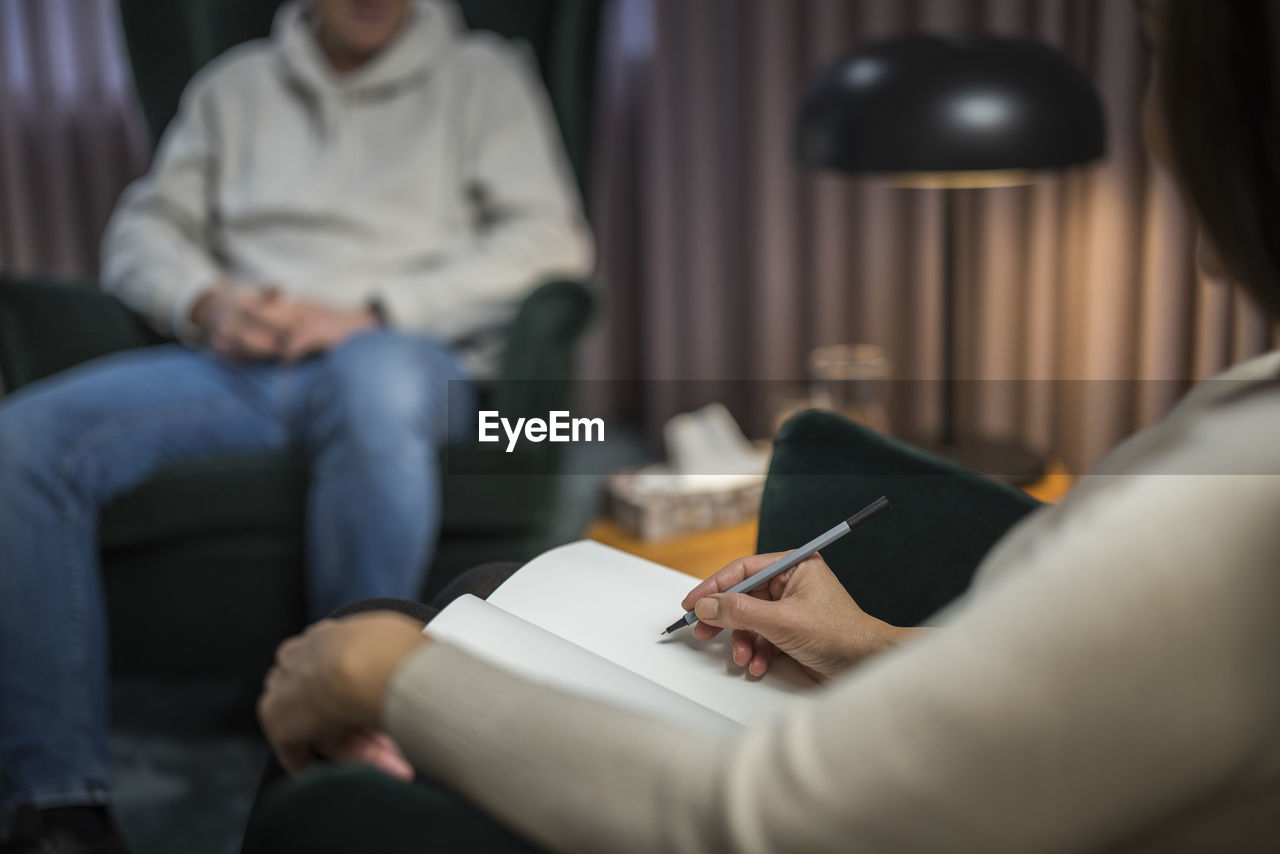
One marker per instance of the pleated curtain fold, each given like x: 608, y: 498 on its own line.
x: 71, y: 134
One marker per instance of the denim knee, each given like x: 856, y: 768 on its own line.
x: 31, y: 446
x: 380, y: 390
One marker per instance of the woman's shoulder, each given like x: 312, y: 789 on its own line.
x: 1226, y: 420
x: 1233, y: 432
x: 1241, y: 378
x: 1211, y: 472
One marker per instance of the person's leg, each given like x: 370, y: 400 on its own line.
x: 377, y: 412
x: 68, y: 446
x: 345, y: 808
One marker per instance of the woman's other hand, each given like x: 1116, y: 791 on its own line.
x: 804, y: 613
x: 325, y: 694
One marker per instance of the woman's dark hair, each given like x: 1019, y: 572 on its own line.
x: 1219, y: 98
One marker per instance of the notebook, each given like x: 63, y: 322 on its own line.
x: 586, y: 618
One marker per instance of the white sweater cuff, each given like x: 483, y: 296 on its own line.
x: 184, y: 300
x: 442, y: 702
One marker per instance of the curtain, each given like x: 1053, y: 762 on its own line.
x: 1082, y: 316
x: 71, y: 134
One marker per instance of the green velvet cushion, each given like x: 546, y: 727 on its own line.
x: 217, y: 609
x: 250, y: 493
x: 219, y: 605
x: 903, y: 565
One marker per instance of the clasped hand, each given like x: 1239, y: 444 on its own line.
x: 262, y: 323
x: 804, y: 613
x: 326, y: 692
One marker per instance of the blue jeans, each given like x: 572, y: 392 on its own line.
x: 370, y: 416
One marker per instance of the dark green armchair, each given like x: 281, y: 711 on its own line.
x: 203, y: 564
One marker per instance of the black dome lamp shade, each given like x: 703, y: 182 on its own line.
x: 953, y: 112
x: 953, y: 104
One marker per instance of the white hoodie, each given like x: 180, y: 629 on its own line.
x: 430, y: 181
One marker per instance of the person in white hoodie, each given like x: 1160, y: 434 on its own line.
x: 337, y: 225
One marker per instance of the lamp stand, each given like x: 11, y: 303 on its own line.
x: 1005, y: 461
x: 950, y: 349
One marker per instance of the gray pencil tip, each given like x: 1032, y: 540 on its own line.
x: 677, y: 625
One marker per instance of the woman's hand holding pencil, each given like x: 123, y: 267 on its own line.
x: 804, y: 612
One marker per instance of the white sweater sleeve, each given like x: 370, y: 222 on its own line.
x: 156, y: 253
x: 1125, y: 678
x: 532, y: 227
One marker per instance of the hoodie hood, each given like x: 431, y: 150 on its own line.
x: 430, y: 28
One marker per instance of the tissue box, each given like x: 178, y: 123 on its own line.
x: 648, y: 508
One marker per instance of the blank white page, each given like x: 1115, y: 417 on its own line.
x: 615, y: 604
x: 508, y: 641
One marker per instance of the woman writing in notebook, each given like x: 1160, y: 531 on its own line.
x: 1107, y: 683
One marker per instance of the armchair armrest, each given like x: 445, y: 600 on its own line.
x: 47, y: 326
x: 536, y: 371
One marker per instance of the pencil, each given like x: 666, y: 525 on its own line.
x: 784, y: 563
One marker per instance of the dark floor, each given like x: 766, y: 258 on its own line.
x: 185, y: 795
x: 187, y: 759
